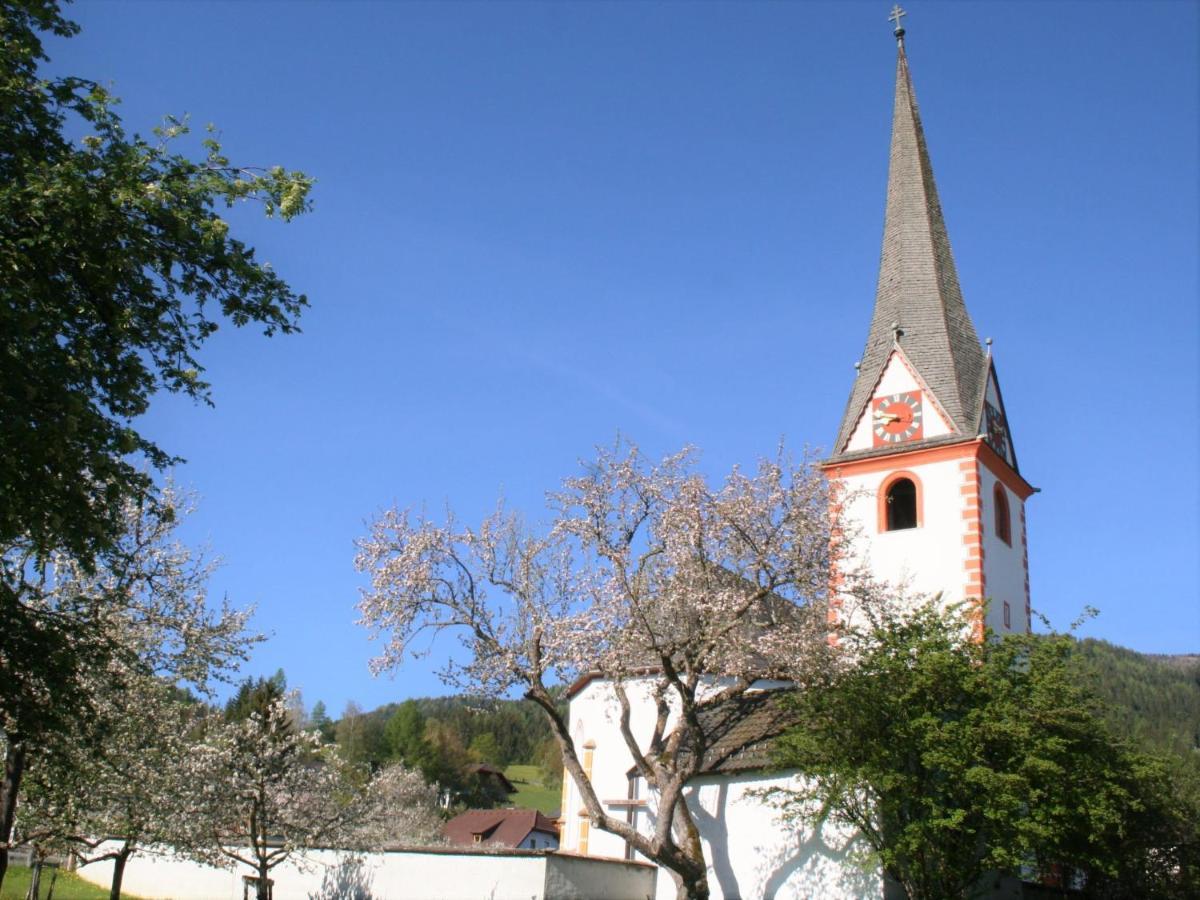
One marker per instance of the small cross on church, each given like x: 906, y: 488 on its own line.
x: 896, y: 16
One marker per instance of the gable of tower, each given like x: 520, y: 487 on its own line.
x: 898, y: 376
x: 993, y: 419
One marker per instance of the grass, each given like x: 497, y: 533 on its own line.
x: 69, y: 886
x: 532, y: 792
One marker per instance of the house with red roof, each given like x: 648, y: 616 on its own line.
x: 521, y: 829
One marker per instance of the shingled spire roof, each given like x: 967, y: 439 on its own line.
x: 918, y: 287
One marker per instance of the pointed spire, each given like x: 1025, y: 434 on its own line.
x: 918, y: 302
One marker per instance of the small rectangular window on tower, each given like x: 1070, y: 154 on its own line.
x: 1007, y: 615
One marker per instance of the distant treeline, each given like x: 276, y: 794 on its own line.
x: 445, y: 738
x: 1153, y: 700
x: 500, y: 732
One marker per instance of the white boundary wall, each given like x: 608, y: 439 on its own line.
x: 398, y: 875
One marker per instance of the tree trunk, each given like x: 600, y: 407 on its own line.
x: 693, y: 885
x: 263, y: 888
x: 691, y: 868
x: 119, y: 872
x: 35, y: 881
x: 14, y: 767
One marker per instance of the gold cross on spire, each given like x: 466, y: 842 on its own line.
x: 896, y: 16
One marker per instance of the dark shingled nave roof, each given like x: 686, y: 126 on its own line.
x: 918, y: 286
x: 742, y: 731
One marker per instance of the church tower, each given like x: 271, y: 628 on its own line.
x: 924, y: 458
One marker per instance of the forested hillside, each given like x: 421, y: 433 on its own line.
x: 1152, y: 699
x: 445, y: 738
x: 502, y: 732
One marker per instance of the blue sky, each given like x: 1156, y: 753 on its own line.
x: 538, y: 225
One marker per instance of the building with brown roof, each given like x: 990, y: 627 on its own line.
x: 521, y: 829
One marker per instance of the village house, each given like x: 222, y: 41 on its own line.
x: 520, y: 829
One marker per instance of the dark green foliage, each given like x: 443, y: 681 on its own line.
x: 255, y: 695
x: 114, y: 268
x: 1152, y: 700
x: 405, y: 737
x: 361, y: 737
x: 957, y: 760
x: 448, y: 760
x: 549, y: 762
x: 319, y: 719
x: 517, y: 726
x: 46, y: 651
x: 484, y: 748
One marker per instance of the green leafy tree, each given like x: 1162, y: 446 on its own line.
x: 549, y: 761
x: 448, y: 762
x: 485, y: 749
x: 256, y: 695
x: 115, y: 267
x: 320, y: 721
x: 960, y: 760
x: 143, y: 612
x: 360, y: 737
x: 405, y: 737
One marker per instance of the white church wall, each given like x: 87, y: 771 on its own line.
x: 752, y: 852
x: 570, y: 877
x: 1003, y: 564
x: 926, y: 559
x: 149, y: 875
x: 398, y: 875
x: 594, y: 717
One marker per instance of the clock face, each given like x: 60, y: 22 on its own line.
x: 997, y: 430
x: 896, y: 418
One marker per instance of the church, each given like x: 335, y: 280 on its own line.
x: 926, y: 463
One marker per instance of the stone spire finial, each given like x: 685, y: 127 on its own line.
x: 896, y: 16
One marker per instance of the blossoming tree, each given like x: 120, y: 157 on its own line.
x: 646, y: 573
x: 102, y: 634
x: 274, y: 789
x: 139, y: 790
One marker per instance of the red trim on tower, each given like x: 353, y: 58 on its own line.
x: 970, y: 454
x: 975, y: 586
x: 974, y: 448
x: 999, y: 467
